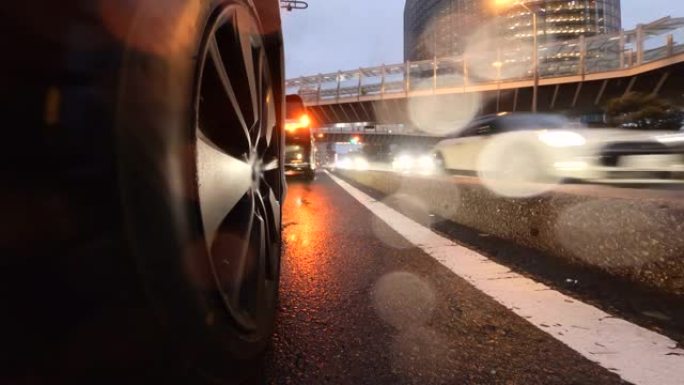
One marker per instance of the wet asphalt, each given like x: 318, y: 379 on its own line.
x: 360, y: 305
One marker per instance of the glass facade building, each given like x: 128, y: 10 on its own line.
x: 441, y: 27
x: 563, y: 19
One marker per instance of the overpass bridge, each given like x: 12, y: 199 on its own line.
x: 576, y: 77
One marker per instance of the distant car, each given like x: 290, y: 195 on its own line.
x: 550, y: 148
x: 352, y: 161
x: 414, y: 162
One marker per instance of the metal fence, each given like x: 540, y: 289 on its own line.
x: 494, y: 64
x: 373, y: 129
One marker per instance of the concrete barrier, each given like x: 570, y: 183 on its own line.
x: 625, y: 232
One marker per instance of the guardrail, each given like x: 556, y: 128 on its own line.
x: 492, y: 64
x: 636, y: 236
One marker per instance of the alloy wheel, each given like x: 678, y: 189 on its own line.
x: 238, y: 166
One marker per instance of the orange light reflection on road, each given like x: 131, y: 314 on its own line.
x: 302, y: 235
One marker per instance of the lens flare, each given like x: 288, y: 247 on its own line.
x: 159, y: 27
x: 445, y: 114
x: 512, y: 166
x: 492, y: 57
x: 403, y: 300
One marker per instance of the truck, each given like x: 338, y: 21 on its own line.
x: 299, y: 139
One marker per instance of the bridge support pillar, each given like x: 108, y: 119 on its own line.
x: 602, y: 90
x: 622, y: 48
x: 515, y: 99
x: 578, y: 90
x: 555, y: 96
x: 661, y: 83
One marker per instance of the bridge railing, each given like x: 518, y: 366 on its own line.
x: 383, y: 129
x: 646, y: 43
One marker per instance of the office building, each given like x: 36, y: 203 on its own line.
x: 442, y: 28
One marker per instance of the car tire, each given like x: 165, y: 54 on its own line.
x: 147, y: 182
x: 310, y: 174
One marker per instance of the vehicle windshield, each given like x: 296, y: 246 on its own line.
x: 301, y: 135
x: 296, y: 148
x: 529, y: 121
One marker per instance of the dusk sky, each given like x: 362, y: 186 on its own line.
x: 347, y: 34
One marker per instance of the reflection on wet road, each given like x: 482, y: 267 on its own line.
x: 360, y: 305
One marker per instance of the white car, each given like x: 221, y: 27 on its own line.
x: 549, y: 148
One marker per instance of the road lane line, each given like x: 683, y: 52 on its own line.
x: 636, y: 354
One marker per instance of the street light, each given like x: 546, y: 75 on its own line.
x: 289, y: 5
x: 498, y: 64
x: 498, y: 4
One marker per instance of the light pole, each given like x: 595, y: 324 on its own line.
x: 498, y: 64
x: 535, y: 58
x: 535, y: 46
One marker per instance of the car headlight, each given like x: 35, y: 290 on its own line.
x: 426, y: 163
x: 403, y: 162
x: 562, y: 139
x: 361, y: 164
x: 344, y: 163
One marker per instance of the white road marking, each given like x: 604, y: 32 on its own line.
x: 636, y: 354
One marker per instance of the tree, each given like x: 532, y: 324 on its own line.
x: 643, y: 111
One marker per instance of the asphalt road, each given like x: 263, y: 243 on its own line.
x: 361, y: 305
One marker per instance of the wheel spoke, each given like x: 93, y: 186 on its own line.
x: 271, y: 165
x: 222, y: 181
x: 220, y: 67
x: 249, y: 41
x: 245, y: 260
x: 258, y: 129
x: 248, y: 269
x: 269, y: 117
x: 231, y: 253
x: 237, y: 40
